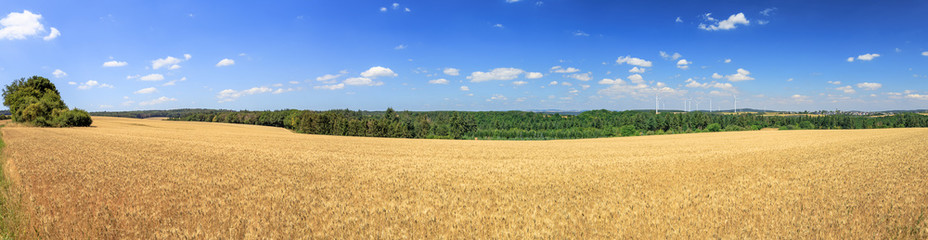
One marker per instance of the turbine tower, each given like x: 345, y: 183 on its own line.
x: 736, y: 103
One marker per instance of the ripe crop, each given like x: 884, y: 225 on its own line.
x: 131, y: 178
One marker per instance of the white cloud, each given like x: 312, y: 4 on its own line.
x: 636, y: 70
x: 717, y: 76
x: 846, y: 89
x: 400, y: 47
x: 383, y: 9
x: 834, y: 82
x: 683, y: 64
x: 495, y: 74
x: 498, y: 25
x: 378, y: 71
x: 439, y: 81
x: 497, y: 97
x: 763, y: 22
x: 229, y: 95
x: 407, y: 10
x: 91, y: 84
x: 742, y: 75
x: 581, y: 76
x: 728, y: 60
x: 52, y: 35
x: 331, y: 87
x: 465, y: 88
x: 678, y: 20
x: 925, y: 53
x: 789, y: 79
x: 162, y: 62
x: 768, y: 11
x: 728, y: 24
x: 636, y: 78
x: 328, y: 78
x: 133, y: 76
x: 187, y: 56
x: 670, y: 57
x: 690, y: 83
x: 552, y: 83
x: 283, y: 90
x: 533, y: 75
x: 869, y: 86
x: 452, y: 71
x: 801, y: 98
x: 558, y: 69
x: 174, y: 67
x: 293, y: 82
x: 607, y: 81
x: 173, y: 82
x: 277, y: 85
x: 512, y: 1
x: 519, y: 83
x: 59, y: 74
x: 850, y: 59
x: 115, y: 63
x: 152, y: 77
x: 567, y: 84
x: 917, y: 96
x: 156, y: 101
x: 868, y: 56
x: 146, y: 90
x: 72, y: 83
x: 225, y: 62
x: 362, y: 81
x: 633, y: 61
x: 581, y: 34
x: 19, y: 26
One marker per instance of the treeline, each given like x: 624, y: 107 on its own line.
x: 532, y: 126
x: 37, y: 102
x: 174, y: 113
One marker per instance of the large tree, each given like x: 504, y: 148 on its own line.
x: 36, y: 101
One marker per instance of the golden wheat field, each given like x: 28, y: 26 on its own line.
x: 132, y: 178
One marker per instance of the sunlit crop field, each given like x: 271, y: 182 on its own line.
x: 131, y: 178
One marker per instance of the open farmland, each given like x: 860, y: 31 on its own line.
x: 131, y: 178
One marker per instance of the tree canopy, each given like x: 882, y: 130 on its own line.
x: 36, y: 101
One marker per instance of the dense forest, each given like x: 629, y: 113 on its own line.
x: 534, y: 126
x: 174, y: 113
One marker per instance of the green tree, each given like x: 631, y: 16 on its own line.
x: 36, y: 101
x: 714, y: 127
x: 628, y: 130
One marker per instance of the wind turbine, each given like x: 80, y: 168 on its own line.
x: 656, y: 103
x: 710, y: 105
x: 736, y: 103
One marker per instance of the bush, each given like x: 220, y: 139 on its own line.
x: 628, y: 130
x: 715, y: 127
x: 806, y: 125
x: 36, y: 101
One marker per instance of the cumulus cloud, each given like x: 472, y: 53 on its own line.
x: 633, y: 61
x: 59, y: 74
x: 581, y: 76
x: 328, y: 78
x: 400, y: 47
x: 52, y: 35
x: 19, y: 26
x: 439, y: 81
x: 742, y: 75
x: 362, y: 81
x: 834, y: 82
x: 283, y: 90
x: 558, y: 69
x: 636, y: 70
x: 502, y: 74
x: 636, y: 78
x: 115, y: 63
x: 868, y: 56
x: 156, y: 101
x: 670, y: 57
x: 869, y: 86
x: 728, y: 24
x: 152, y: 77
x: 93, y: 84
x: 146, y: 90
x: 498, y: 25
x: 497, y: 97
x: 801, y: 99
x: 925, y: 53
x: 717, y: 76
x: 683, y: 64
x: 581, y: 34
x: 607, y: 81
x: 164, y: 62
x: 728, y: 60
x: 229, y: 95
x: 465, y: 88
x: 768, y: 11
x: 225, y: 62
x: 173, y: 82
x: 378, y: 71
x: 552, y: 83
x: 533, y: 75
x: 452, y: 71
x: 846, y: 89
x: 188, y: 56
x: 330, y: 87
x: 850, y: 59
x: 917, y: 96
x: 519, y: 83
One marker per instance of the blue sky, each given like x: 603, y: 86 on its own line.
x: 472, y: 55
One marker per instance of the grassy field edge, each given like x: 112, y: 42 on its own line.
x: 10, y: 218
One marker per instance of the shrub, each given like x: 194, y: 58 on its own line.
x: 628, y: 130
x: 715, y: 127
x: 806, y: 125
